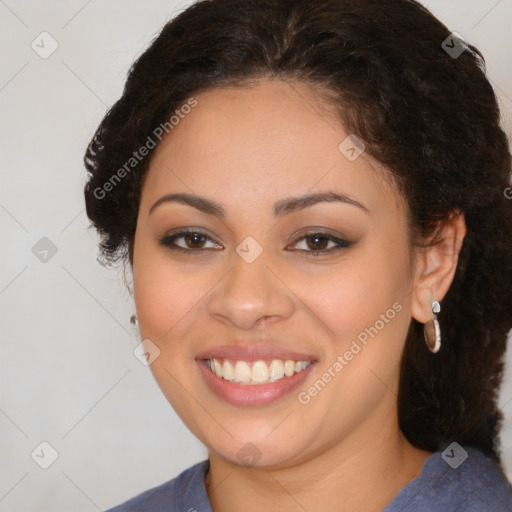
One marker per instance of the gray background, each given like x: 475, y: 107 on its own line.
x: 68, y: 374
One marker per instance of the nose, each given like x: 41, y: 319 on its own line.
x: 251, y: 294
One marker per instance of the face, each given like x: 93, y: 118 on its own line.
x: 257, y: 278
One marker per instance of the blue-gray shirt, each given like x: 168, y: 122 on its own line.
x: 476, y: 485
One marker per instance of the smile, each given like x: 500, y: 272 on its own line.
x: 255, y: 372
x: 260, y: 382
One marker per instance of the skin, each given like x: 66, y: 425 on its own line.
x: 247, y: 148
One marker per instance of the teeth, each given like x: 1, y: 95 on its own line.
x: 217, y: 368
x: 289, y: 368
x: 276, y: 370
x: 242, y: 372
x: 300, y: 365
x: 260, y: 373
x: 228, y: 371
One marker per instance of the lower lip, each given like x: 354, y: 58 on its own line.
x: 252, y: 394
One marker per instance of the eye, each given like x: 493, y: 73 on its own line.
x: 319, y: 243
x: 192, y: 241
x: 316, y: 243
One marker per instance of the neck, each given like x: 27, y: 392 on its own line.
x: 353, y: 475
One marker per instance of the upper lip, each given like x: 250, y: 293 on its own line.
x: 253, y: 353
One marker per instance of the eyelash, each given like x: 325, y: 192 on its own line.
x: 168, y: 240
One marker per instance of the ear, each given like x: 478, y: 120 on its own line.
x: 436, y: 266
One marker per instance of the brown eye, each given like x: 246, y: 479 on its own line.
x: 191, y: 241
x: 317, y: 244
x: 194, y: 240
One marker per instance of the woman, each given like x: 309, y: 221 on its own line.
x: 311, y: 198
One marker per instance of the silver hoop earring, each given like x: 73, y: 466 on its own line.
x: 432, y: 330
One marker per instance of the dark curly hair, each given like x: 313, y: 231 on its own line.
x: 430, y: 116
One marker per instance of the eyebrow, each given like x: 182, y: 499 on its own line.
x: 281, y: 208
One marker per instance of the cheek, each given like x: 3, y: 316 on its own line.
x: 166, y: 295
x: 364, y: 303
x: 354, y: 296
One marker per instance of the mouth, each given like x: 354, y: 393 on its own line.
x: 255, y: 372
x: 250, y: 377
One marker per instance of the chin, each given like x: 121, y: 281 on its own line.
x: 258, y: 449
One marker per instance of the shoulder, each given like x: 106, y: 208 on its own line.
x: 458, y: 479
x: 184, y: 493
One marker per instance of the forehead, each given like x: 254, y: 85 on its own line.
x: 271, y: 139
